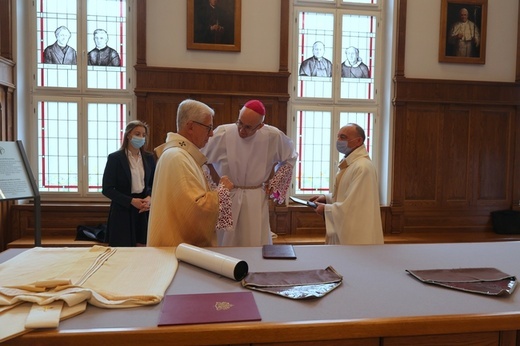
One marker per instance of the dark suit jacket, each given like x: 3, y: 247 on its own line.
x: 123, y: 229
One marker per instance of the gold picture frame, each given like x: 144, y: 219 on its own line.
x: 463, y: 40
x: 214, y: 25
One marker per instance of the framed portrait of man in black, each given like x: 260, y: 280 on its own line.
x: 214, y: 25
x: 463, y: 31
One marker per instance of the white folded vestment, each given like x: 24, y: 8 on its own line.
x: 58, y: 282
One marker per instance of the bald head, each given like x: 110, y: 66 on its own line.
x: 355, y: 130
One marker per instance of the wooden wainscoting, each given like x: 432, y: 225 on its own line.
x: 300, y: 225
x: 293, y: 224
x: 456, y: 154
x: 58, y: 223
x: 160, y: 90
x: 7, y: 114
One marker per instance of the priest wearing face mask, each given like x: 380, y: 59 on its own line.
x: 352, y: 212
x: 127, y: 182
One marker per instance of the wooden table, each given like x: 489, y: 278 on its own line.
x: 378, y: 303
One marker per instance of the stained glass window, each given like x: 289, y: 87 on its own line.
x: 335, y: 78
x: 81, y: 92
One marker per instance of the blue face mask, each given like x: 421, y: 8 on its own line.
x: 137, y: 142
x: 343, y: 148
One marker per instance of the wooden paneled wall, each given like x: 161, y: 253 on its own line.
x: 7, y: 116
x: 160, y: 90
x: 6, y: 27
x: 454, y: 164
x: 456, y: 150
x: 57, y: 219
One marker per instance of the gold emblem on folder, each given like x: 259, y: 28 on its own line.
x: 219, y: 306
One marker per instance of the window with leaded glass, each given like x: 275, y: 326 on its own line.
x: 336, y: 76
x: 81, y: 93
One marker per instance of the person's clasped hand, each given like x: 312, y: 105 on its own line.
x: 143, y: 204
x: 224, y: 180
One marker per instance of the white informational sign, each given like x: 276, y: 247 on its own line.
x: 16, y: 181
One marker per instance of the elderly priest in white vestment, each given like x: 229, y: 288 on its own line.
x: 352, y: 212
x: 248, y: 152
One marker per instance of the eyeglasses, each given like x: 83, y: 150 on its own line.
x: 248, y: 128
x: 209, y: 127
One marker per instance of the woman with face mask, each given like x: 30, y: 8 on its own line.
x: 127, y: 182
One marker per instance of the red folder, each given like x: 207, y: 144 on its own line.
x: 208, y: 308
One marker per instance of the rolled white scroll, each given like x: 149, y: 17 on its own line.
x: 227, y: 266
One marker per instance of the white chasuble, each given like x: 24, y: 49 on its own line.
x: 353, y: 212
x: 41, y: 286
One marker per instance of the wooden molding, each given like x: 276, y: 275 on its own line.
x: 401, y: 38
x: 216, y: 82
x: 6, y: 29
x: 456, y: 92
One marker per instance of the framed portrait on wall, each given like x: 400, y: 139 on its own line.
x: 463, y: 31
x: 214, y: 25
